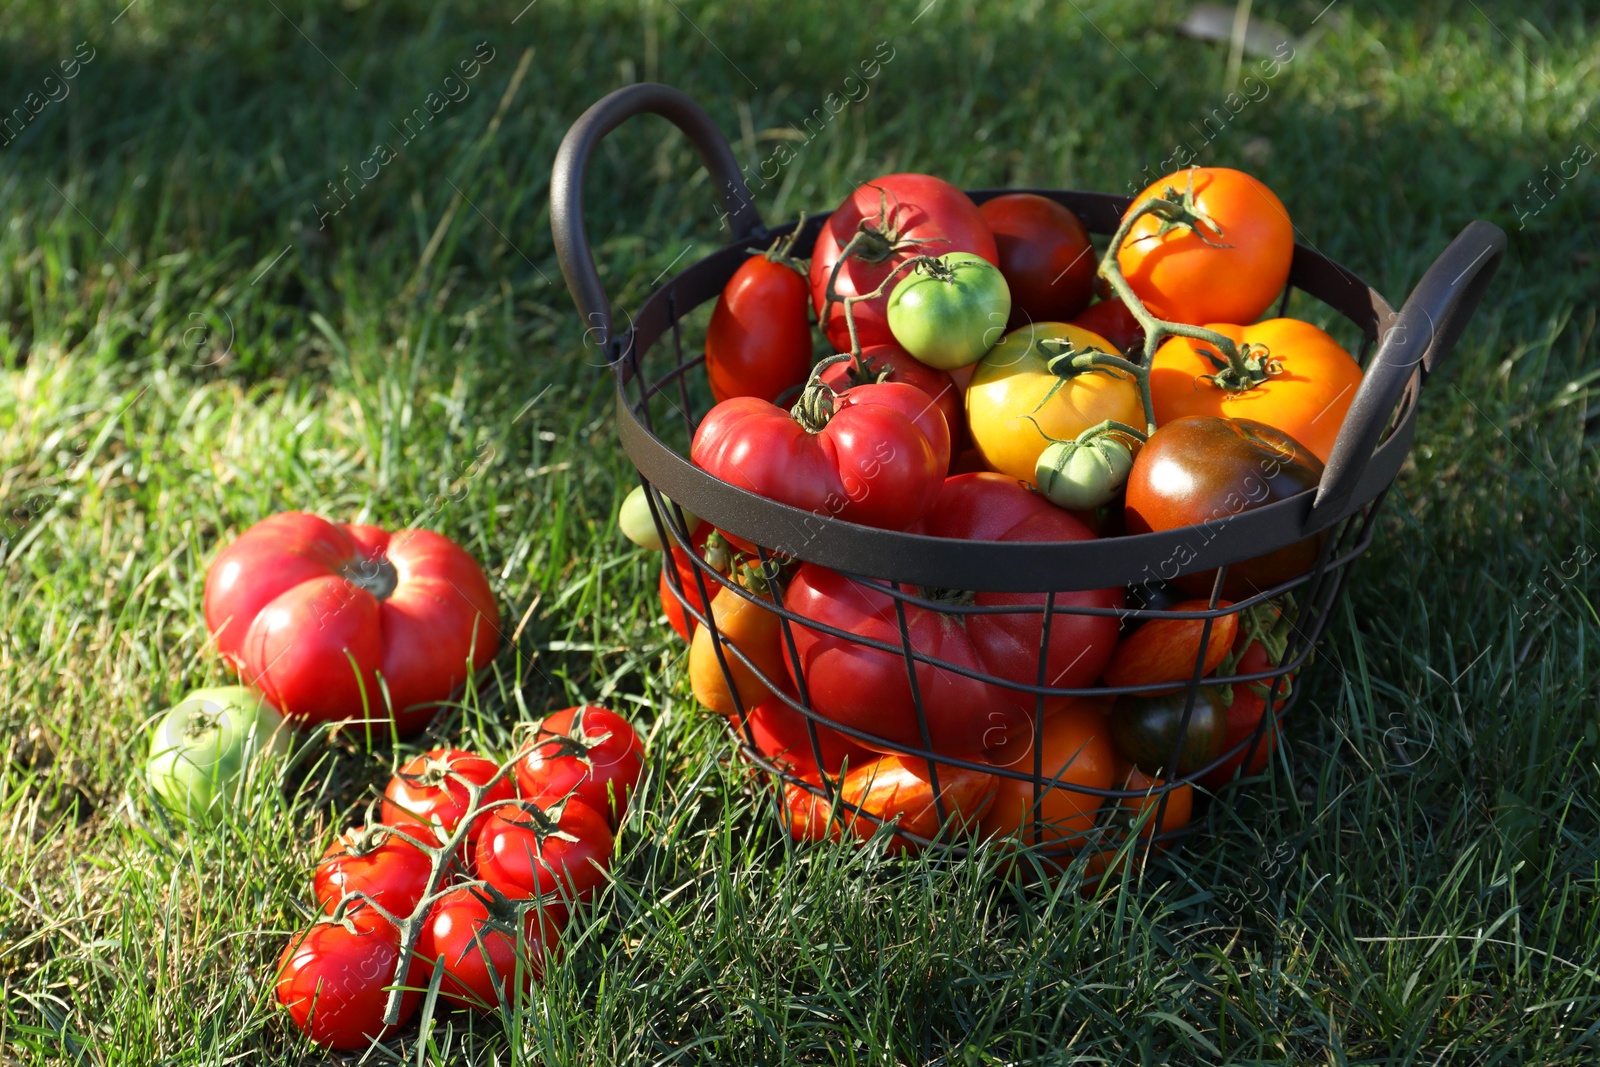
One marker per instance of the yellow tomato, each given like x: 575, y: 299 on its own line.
x: 1011, y: 412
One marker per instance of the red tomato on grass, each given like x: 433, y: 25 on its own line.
x: 590, y: 753
x: 334, y: 980
x: 390, y: 870
x: 474, y: 940
x: 314, y: 613
x: 560, y: 850
x: 432, y: 788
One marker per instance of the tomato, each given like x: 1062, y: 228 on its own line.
x: 432, y: 788
x: 867, y: 689
x: 1231, y: 274
x: 1016, y: 406
x: 948, y: 313
x: 781, y: 735
x: 710, y: 546
x: 759, y: 340
x: 752, y: 627
x: 473, y: 939
x: 891, y: 363
x: 390, y: 870
x: 902, y: 215
x: 1045, y: 255
x: 1245, y: 706
x: 1165, y: 650
x: 312, y: 613
x: 875, y: 454
x: 334, y: 980
x: 1205, y: 469
x: 204, y: 749
x: 637, y: 523
x: 1145, y: 730
x: 1306, y: 398
x: 898, y: 789
x: 531, y: 850
x: 1112, y: 320
x: 591, y: 753
x: 809, y: 814
x: 1084, y: 475
x: 1179, y: 802
x: 1075, y: 753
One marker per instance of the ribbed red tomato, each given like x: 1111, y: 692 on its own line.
x: 709, y: 546
x: 329, y: 620
x: 867, y: 688
x: 902, y: 215
x: 891, y: 363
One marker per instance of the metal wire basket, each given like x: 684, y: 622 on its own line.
x: 655, y: 408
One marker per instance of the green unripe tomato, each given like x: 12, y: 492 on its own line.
x: 202, y: 748
x: 1083, y: 476
x: 949, y: 315
x: 638, y: 526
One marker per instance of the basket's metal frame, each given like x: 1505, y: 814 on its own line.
x: 1371, y: 446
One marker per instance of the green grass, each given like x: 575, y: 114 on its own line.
x: 186, y: 352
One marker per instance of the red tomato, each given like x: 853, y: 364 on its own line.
x: 1112, y: 320
x: 311, y: 613
x: 560, y: 850
x: 334, y: 980
x: 432, y: 788
x: 867, y: 689
x: 898, y: 789
x: 891, y: 363
x: 1244, y: 712
x: 1045, y: 256
x: 473, y: 939
x: 591, y: 753
x: 905, y: 215
x: 759, y: 340
x: 710, y: 546
x: 808, y: 813
x: 388, y: 869
x: 781, y: 735
x: 876, y: 454
x: 1228, y: 276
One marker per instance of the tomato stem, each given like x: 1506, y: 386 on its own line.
x: 377, y: 576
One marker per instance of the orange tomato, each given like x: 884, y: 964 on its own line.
x: 897, y: 789
x: 754, y: 630
x: 1075, y: 751
x: 1235, y: 278
x: 1164, y: 650
x: 1307, y: 399
x: 1180, y: 802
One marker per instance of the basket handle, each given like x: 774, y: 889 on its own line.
x: 1425, y: 331
x: 572, y: 164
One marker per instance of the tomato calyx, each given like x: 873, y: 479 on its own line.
x: 817, y: 398
x: 1250, y: 365
x: 877, y: 239
x: 1177, y: 210
x: 781, y: 250
x: 1268, y: 626
x: 543, y: 820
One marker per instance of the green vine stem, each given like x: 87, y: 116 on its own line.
x: 929, y: 264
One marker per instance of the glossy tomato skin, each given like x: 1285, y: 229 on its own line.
x: 1204, y: 469
x: 702, y: 539
x: 1145, y: 730
x: 334, y: 981
x: 1045, y: 255
x: 467, y: 937
x: 1075, y: 752
x: 1165, y: 650
x: 759, y: 340
x: 920, y: 208
x: 522, y: 850
x: 588, y: 752
x: 430, y: 789
x: 1112, y: 320
x: 1016, y: 406
x: 781, y: 735
x: 746, y: 626
x: 289, y: 606
x: 878, y: 461
x: 867, y: 688
x: 390, y: 870
x: 1180, y: 277
x: 891, y: 363
x: 949, y: 317
x: 1307, y: 399
x: 899, y: 789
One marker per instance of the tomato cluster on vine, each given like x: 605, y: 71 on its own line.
x: 465, y: 882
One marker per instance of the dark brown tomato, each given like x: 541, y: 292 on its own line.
x: 1045, y: 256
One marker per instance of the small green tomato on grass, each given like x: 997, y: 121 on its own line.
x: 203, y: 747
x: 949, y: 313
